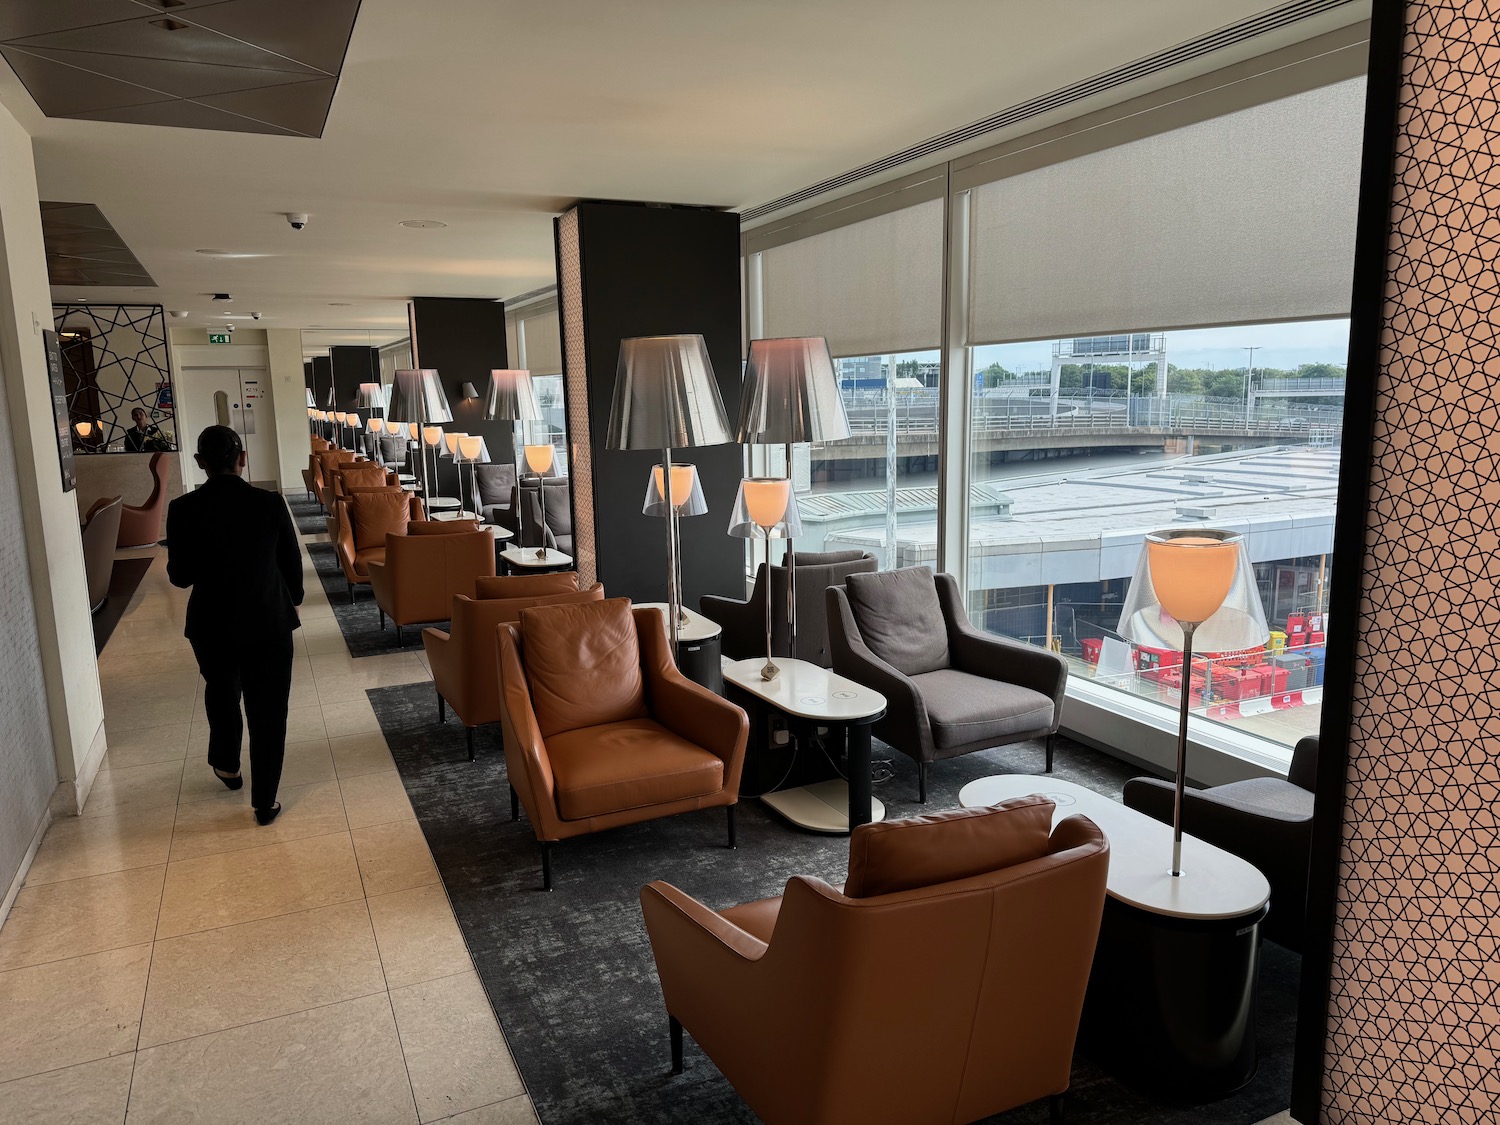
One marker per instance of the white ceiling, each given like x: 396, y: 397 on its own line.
x: 491, y: 116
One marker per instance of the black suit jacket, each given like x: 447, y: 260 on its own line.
x: 235, y: 545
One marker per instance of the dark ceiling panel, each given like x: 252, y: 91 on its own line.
x: 256, y: 66
x: 292, y: 107
x: 316, y: 34
x: 20, y: 18
x: 142, y: 38
x: 83, y: 249
x: 180, y: 79
x: 185, y: 115
x: 66, y: 91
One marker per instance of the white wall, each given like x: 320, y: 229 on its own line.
x: 49, y: 517
x: 288, y: 404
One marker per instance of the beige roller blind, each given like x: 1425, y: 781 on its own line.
x: 1244, y: 217
x: 543, y: 342
x: 872, y: 287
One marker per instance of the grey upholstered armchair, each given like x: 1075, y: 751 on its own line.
x: 101, y: 528
x: 1265, y: 821
x: 950, y: 688
x: 744, y: 622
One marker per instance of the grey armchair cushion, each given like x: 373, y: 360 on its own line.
x: 495, y: 484
x: 393, y: 449
x: 900, y: 618
x: 965, y: 708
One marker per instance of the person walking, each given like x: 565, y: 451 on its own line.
x: 235, y: 545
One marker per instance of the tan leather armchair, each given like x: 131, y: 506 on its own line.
x: 100, y: 530
x: 602, y: 730
x: 777, y: 992
x: 322, y: 463
x: 335, y: 518
x: 465, y: 661
x: 424, y: 567
x: 140, y: 525
x: 354, y: 474
x: 363, y: 522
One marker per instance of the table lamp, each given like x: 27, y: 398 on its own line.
x: 472, y: 451
x: 539, y: 461
x: 371, y: 397
x: 1192, y: 585
x: 766, y: 508
x: 687, y: 500
x: 351, y: 419
x: 377, y: 425
x: 312, y: 417
x: 417, y: 398
x: 791, y: 395
x: 666, y: 397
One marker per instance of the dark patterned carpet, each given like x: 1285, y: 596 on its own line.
x: 570, y: 973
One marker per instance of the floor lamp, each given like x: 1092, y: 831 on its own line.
x: 539, y: 461
x: 766, y: 508
x: 371, y: 399
x: 417, y: 399
x: 450, y: 450
x: 687, y: 500
x: 472, y: 451
x: 513, y: 399
x: 791, y: 395
x: 666, y: 397
x: 1192, y: 585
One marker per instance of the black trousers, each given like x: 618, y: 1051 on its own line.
x: 258, y: 670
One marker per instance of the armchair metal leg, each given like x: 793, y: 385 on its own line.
x: 546, y: 866
x: 731, y: 825
x: 1055, y: 1109
x: 676, y: 1031
x: 921, y: 783
x: 442, y: 708
x: 515, y: 804
x: 400, y: 638
x: 469, y: 735
x: 382, y: 621
x: 1051, y: 738
x: 351, y: 592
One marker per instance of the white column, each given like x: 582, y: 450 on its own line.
x: 288, y: 405
x: 50, y: 516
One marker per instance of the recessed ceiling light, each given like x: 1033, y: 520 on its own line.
x: 169, y: 24
x: 229, y: 254
x: 338, y: 304
x: 422, y: 224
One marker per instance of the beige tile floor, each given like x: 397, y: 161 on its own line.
x: 169, y: 959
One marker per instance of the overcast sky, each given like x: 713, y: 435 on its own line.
x: 1277, y: 345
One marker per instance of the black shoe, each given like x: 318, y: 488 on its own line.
x: 264, y: 817
x: 231, y: 781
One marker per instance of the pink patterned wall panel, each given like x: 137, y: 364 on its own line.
x: 1414, y: 1022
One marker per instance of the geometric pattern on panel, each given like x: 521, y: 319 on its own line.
x: 1414, y: 1022
x: 129, y: 371
x: 576, y: 394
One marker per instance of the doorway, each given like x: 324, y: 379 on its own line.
x: 233, y: 397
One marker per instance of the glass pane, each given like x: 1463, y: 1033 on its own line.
x: 1081, y: 446
x: 876, y: 491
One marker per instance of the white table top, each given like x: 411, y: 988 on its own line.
x: 526, y: 556
x: 443, y: 503
x: 1213, y: 883
x: 406, y: 478
x: 806, y: 690
x: 698, y: 627
x: 456, y: 515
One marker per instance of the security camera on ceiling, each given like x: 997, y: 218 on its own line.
x: 255, y: 316
x: 297, y: 219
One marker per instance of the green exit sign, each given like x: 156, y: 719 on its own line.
x: 218, y: 337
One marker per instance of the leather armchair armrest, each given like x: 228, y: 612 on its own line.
x: 525, y: 753
x: 906, y: 713
x: 441, y: 654
x: 681, y: 926
x: 345, y: 546
x: 689, y: 710
x: 381, y: 584
x: 997, y: 658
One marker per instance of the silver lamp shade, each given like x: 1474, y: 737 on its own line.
x: 371, y: 396
x: 791, y: 393
x: 310, y: 401
x: 417, y: 396
x: 512, y: 398
x: 687, y: 492
x: 666, y: 396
